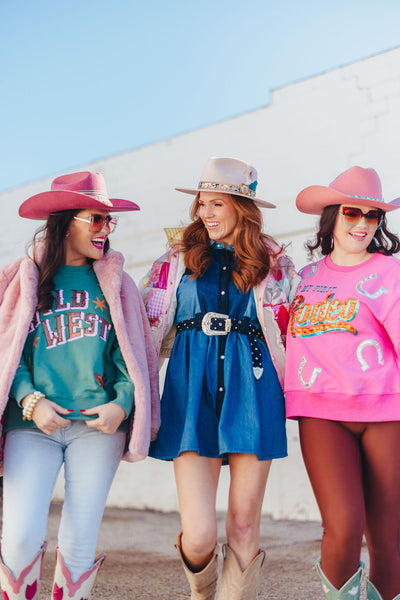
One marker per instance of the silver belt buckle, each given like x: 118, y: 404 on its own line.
x: 206, y: 323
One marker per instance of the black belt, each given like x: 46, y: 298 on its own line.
x: 212, y: 323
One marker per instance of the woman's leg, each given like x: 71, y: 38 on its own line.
x: 332, y: 458
x: 246, y: 493
x: 91, y: 459
x: 197, y: 481
x: 32, y: 461
x: 242, y: 557
x: 381, y: 461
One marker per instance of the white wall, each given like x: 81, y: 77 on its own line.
x: 312, y: 130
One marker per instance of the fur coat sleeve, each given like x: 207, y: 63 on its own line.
x: 18, y: 301
x: 134, y: 336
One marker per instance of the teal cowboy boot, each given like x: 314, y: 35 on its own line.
x: 373, y: 594
x: 349, y: 591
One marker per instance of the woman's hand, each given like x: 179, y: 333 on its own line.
x: 47, y: 415
x: 110, y: 417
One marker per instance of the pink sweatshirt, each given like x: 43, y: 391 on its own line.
x: 343, y: 342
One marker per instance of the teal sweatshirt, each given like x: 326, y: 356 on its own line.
x: 71, y: 353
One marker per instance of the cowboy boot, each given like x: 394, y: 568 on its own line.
x: 66, y: 589
x: 203, y: 584
x: 373, y: 594
x: 235, y: 583
x: 350, y: 590
x: 27, y: 584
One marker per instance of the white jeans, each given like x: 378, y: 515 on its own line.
x: 32, y: 461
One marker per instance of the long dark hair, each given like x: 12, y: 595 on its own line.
x: 383, y: 241
x: 254, y: 251
x: 49, y: 253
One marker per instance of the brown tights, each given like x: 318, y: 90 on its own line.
x: 354, y: 469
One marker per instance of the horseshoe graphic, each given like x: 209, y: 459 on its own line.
x: 314, y: 374
x: 360, y: 289
x: 361, y: 359
x: 312, y: 271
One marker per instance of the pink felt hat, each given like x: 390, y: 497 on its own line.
x: 229, y: 176
x: 74, y: 191
x: 356, y: 186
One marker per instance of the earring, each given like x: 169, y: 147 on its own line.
x: 67, y: 234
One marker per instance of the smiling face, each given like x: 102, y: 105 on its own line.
x: 351, y: 241
x: 218, y: 215
x: 80, y: 242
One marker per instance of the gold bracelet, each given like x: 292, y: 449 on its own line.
x: 27, y: 411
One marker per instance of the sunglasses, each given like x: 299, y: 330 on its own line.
x: 352, y: 216
x: 97, y: 222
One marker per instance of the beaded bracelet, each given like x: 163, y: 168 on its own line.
x: 27, y: 411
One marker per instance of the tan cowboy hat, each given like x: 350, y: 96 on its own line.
x: 229, y: 176
x: 356, y: 186
x: 74, y: 191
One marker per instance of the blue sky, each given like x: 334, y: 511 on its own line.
x: 86, y: 79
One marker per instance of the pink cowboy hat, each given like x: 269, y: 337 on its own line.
x: 229, y: 176
x: 74, y: 191
x: 356, y: 186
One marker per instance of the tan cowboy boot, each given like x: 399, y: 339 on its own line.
x: 27, y: 584
x: 203, y: 585
x: 66, y: 589
x: 235, y: 583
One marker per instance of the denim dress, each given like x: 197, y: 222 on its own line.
x: 212, y: 402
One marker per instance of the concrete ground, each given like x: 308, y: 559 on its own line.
x: 142, y: 562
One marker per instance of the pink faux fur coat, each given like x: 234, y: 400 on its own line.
x: 18, y: 301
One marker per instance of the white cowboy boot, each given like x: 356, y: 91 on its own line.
x: 27, y: 585
x: 66, y: 589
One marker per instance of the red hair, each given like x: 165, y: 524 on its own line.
x: 252, y: 248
